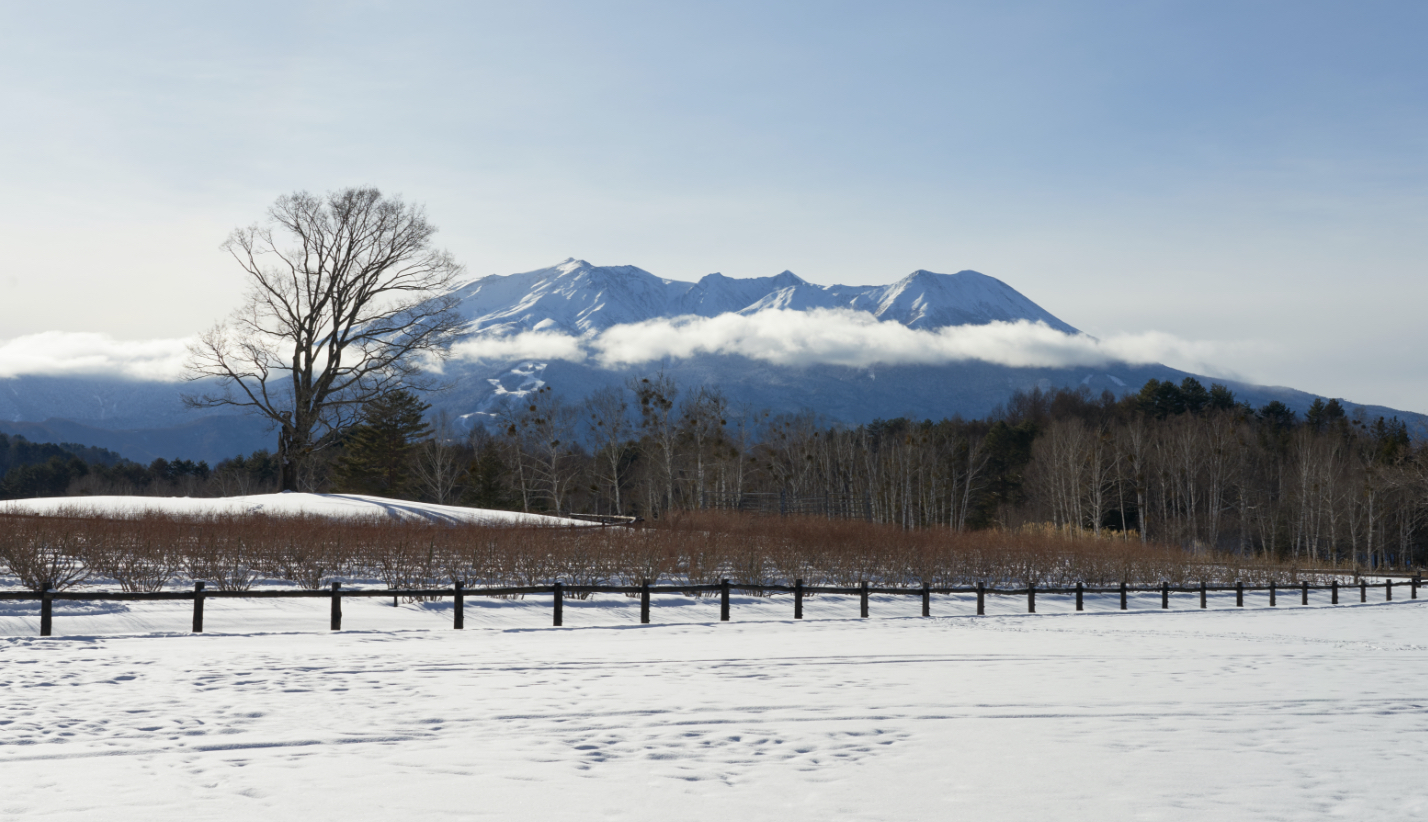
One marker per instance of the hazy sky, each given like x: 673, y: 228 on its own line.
x: 1246, y: 176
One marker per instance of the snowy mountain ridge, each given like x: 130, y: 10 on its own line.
x: 576, y: 297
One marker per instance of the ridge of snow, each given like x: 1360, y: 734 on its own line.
x: 577, y: 297
x: 335, y: 506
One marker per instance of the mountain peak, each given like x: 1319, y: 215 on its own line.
x: 576, y: 297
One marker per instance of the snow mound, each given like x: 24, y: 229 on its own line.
x: 337, y: 506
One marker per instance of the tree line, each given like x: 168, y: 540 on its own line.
x: 1172, y: 464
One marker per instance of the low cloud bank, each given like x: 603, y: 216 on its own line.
x: 835, y: 337
x: 782, y: 337
x: 75, y: 353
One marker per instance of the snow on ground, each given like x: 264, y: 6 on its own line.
x: 1254, y: 713
x: 284, y: 504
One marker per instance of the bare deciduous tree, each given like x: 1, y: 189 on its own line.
x: 346, y: 300
x: 438, y: 466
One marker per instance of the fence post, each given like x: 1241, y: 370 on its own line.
x: 1363, y: 590
x: 981, y: 599
x: 1204, y: 600
x: 1304, y: 592
x: 724, y: 600
x: 1164, y: 595
x: 1334, y: 592
x: 1030, y: 598
x: 1079, y: 593
x: 559, y: 606
x: 926, y: 600
x: 47, y: 614
x: 798, y: 599
x: 1413, y: 589
x: 458, y: 606
x: 1388, y: 590
x: 1239, y: 593
x: 863, y: 600
x: 1123, y: 595
x: 336, y: 606
x: 644, y: 602
x: 198, y: 607
x: 1271, y: 594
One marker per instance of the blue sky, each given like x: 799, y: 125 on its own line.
x: 1246, y: 175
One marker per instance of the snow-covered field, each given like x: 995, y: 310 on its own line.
x: 1255, y: 713
x: 349, y: 506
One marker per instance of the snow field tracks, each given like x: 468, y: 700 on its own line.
x: 957, y: 599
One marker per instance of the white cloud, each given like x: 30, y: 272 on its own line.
x: 838, y: 337
x: 821, y: 336
x: 69, y: 353
x: 534, y: 345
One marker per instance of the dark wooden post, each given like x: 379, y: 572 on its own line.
x: 644, y: 602
x: 1079, y: 593
x: 559, y: 604
x: 1363, y: 590
x: 336, y: 606
x: 926, y: 600
x: 981, y: 599
x: 1164, y: 595
x: 724, y: 600
x: 1204, y: 599
x: 47, y: 612
x: 198, y: 607
x: 1239, y: 593
x: 863, y: 600
x: 458, y: 606
x: 1123, y: 595
x: 1334, y: 592
x: 798, y: 599
x: 1303, y: 592
x: 1413, y: 589
x: 1388, y: 590
x: 1271, y: 593
x: 1030, y: 598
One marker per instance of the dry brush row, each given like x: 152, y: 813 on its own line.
x: 234, y: 552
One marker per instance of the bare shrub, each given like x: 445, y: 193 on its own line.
x: 43, y: 552
x: 696, y: 548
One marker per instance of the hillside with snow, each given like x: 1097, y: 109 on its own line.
x: 286, y: 504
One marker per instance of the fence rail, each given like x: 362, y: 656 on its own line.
x: 559, y: 591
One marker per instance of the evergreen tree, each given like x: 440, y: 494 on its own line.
x: 1221, y: 397
x: 378, y: 452
x: 1193, y: 395
x: 487, y: 484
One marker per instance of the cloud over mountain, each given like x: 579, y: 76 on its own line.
x: 68, y: 353
x: 824, y: 336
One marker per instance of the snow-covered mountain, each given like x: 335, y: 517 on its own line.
x: 576, y: 297
x: 143, y: 420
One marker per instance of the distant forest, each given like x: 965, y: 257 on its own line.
x: 44, y: 469
x: 1174, y: 463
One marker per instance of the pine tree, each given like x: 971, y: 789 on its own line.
x: 378, y: 453
x: 486, y: 479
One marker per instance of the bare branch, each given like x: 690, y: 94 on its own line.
x: 345, y: 295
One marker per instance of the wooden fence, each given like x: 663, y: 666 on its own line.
x: 458, y: 592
